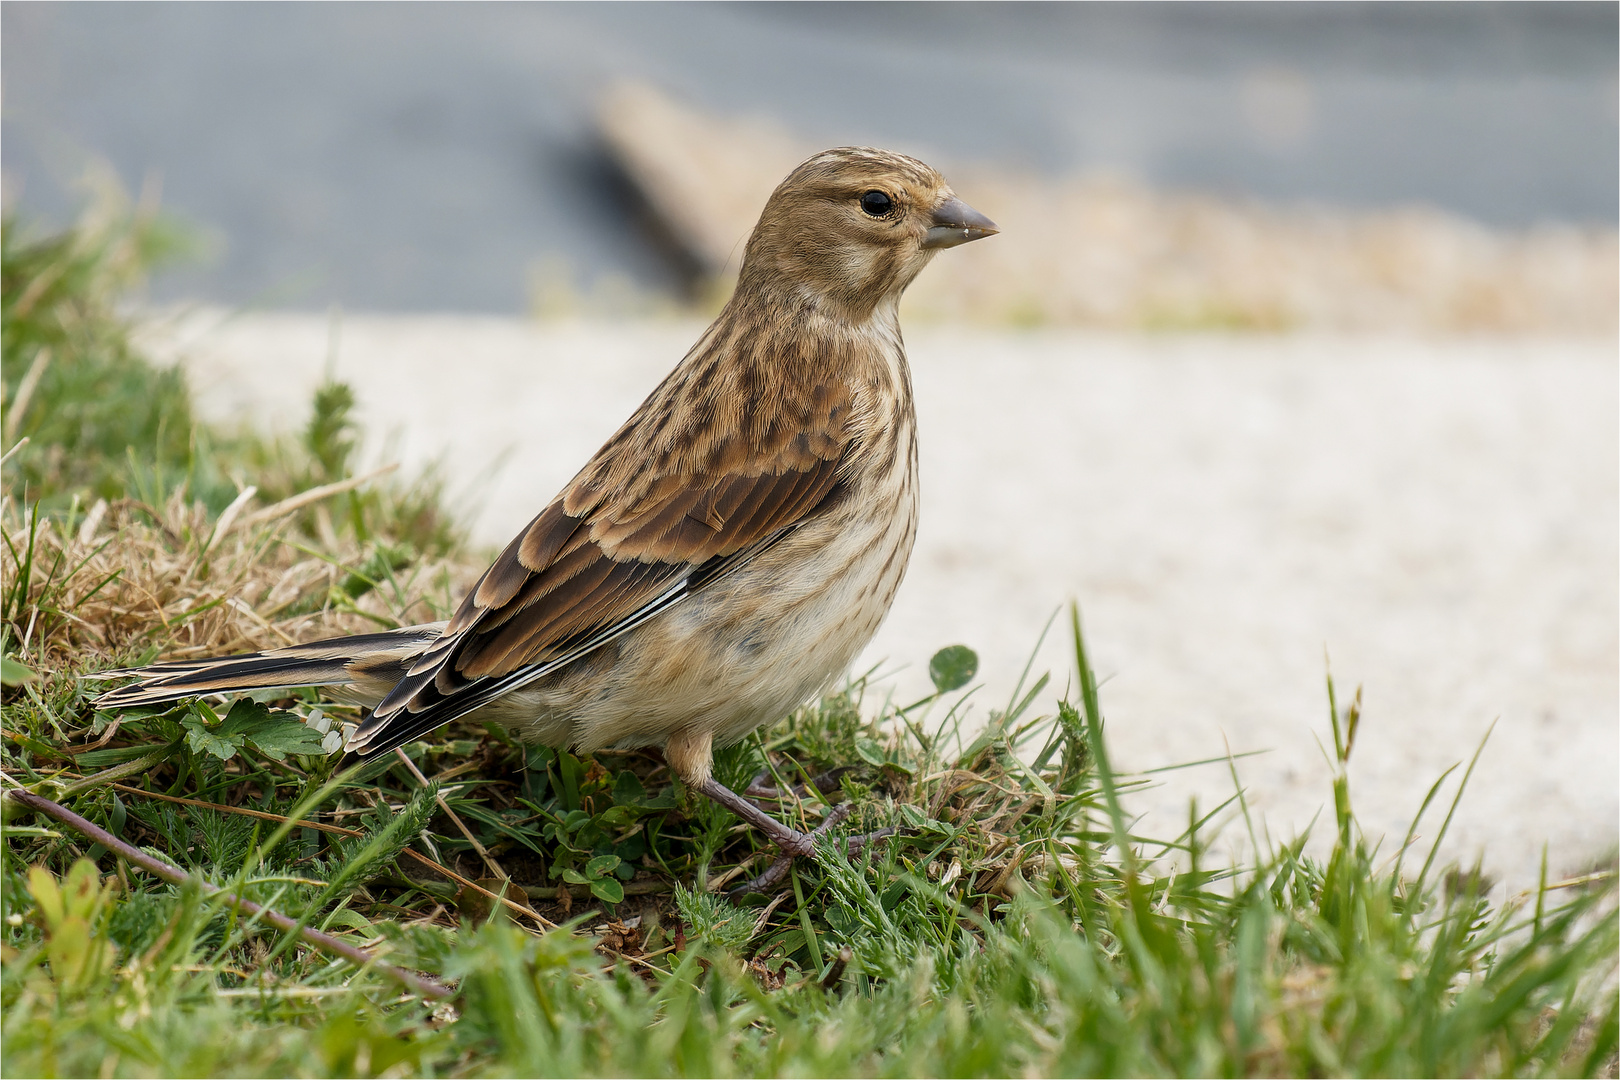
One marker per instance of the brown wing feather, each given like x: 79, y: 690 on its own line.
x: 534, y: 548
x: 679, y: 500
x: 588, y: 588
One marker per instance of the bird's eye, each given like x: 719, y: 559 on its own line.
x: 877, y: 203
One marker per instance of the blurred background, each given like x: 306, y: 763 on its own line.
x: 1299, y: 337
x: 422, y: 157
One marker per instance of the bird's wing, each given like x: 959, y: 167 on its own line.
x: 655, y: 516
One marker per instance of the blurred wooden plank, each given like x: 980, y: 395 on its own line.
x: 1107, y: 252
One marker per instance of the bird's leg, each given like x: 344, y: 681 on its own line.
x: 779, y: 869
x: 689, y: 754
x: 792, y: 842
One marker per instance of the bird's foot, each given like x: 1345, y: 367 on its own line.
x: 778, y: 870
x: 791, y: 841
x: 825, y: 782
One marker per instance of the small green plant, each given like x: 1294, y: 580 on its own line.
x: 71, y: 915
x: 713, y: 920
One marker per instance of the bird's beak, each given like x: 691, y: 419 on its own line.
x: 955, y: 222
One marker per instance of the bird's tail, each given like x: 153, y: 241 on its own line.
x: 370, y: 664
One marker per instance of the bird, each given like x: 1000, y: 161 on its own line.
x: 725, y: 555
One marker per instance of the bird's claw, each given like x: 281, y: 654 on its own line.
x: 805, y: 845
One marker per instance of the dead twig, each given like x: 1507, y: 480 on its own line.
x: 835, y: 970
x: 416, y: 984
x: 493, y: 866
x: 313, y: 495
x: 341, y: 831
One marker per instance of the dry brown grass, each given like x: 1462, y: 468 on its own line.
x: 1106, y: 252
x: 126, y: 581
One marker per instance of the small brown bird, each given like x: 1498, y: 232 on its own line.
x: 730, y: 549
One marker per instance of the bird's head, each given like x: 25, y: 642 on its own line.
x: 852, y: 227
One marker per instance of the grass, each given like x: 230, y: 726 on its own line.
x: 1017, y: 924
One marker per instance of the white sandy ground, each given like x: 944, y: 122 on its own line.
x: 1439, y: 515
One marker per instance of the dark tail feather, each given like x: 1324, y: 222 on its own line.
x: 373, y: 659
x: 378, y: 735
x: 396, y: 735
